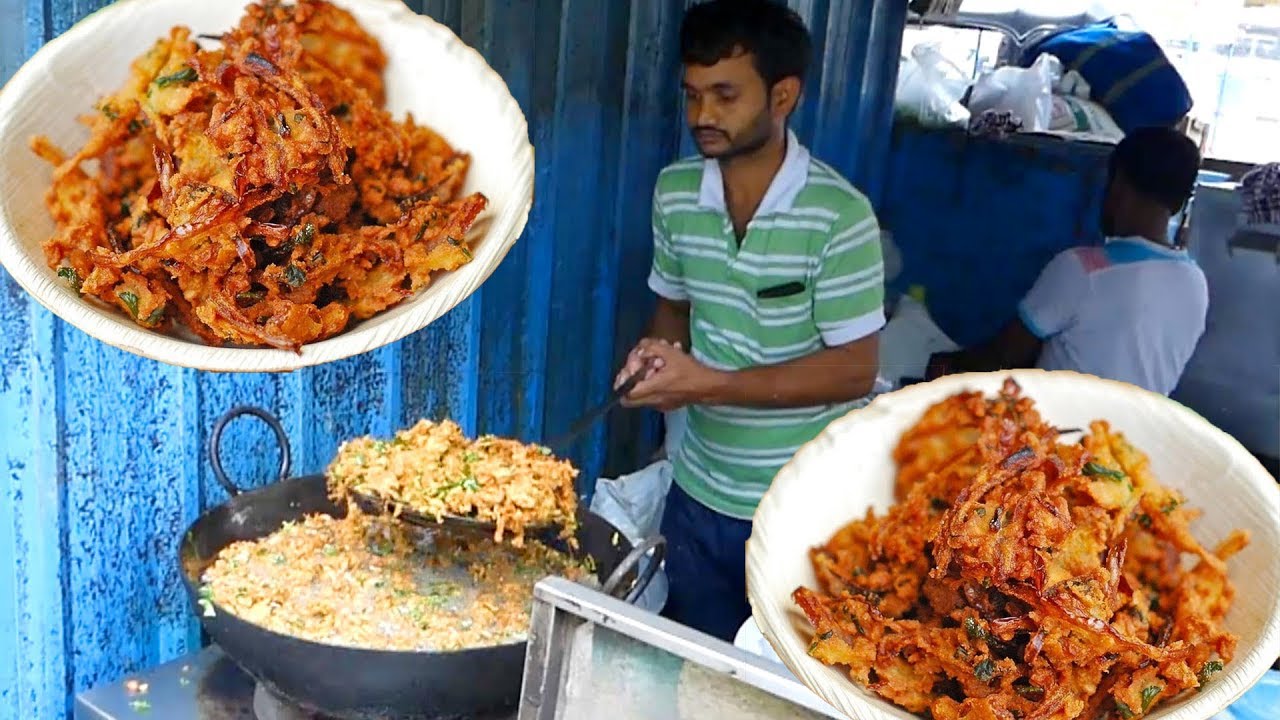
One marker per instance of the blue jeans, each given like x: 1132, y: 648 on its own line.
x: 706, y: 567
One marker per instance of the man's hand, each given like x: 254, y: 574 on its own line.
x: 1015, y: 347
x: 638, y: 358
x: 675, y: 381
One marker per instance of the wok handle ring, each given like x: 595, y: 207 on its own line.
x: 658, y: 545
x: 215, y: 444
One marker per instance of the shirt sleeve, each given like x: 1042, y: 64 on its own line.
x: 848, y: 291
x: 1050, y: 306
x: 666, y: 278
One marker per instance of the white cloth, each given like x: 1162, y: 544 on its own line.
x: 1131, y: 310
x: 750, y: 638
x: 907, y: 342
x: 634, y: 504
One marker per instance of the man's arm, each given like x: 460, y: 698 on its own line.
x: 666, y: 279
x: 1048, y: 309
x: 1014, y: 347
x: 830, y: 375
x: 671, y: 321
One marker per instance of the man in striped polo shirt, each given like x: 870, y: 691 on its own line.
x: 768, y: 270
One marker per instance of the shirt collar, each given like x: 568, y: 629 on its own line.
x: 783, y: 189
x: 1148, y: 245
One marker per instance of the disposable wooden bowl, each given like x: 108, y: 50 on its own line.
x: 447, y: 86
x: 849, y: 468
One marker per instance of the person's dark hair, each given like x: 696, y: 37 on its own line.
x: 770, y: 31
x: 1160, y: 163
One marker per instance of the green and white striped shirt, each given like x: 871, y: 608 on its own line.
x: 815, y: 244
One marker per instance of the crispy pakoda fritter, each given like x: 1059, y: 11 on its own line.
x: 433, y: 469
x: 1020, y: 577
x: 256, y: 192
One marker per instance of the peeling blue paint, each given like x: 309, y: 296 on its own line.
x: 102, y: 453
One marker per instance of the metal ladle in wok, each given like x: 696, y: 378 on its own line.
x: 383, y: 506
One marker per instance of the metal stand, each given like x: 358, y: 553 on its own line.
x: 591, y: 656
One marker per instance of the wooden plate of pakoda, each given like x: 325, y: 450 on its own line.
x: 1021, y: 545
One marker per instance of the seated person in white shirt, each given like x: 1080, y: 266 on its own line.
x: 1130, y: 310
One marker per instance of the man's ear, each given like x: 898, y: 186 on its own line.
x: 785, y: 96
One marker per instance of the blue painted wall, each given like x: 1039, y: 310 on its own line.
x: 101, y: 453
x: 977, y: 219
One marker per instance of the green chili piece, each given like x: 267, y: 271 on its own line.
x: 1093, y: 469
x: 185, y: 75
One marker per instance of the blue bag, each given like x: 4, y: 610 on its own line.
x: 1259, y: 703
x: 1127, y: 71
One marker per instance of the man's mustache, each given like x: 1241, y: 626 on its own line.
x: 704, y: 129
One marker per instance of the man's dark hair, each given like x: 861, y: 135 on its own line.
x: 770, y: 31
x: 1160, y: 163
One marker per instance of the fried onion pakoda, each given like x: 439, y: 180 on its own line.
x: 256, y: 192
x: 1021, y: 577
x: 433, y: 469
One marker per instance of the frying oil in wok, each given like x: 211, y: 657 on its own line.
x: 365, y: 582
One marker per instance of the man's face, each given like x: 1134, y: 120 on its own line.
x: 728, y: 107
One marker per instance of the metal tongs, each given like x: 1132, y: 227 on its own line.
x: 379, y: 506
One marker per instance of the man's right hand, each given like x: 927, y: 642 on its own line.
x: 638, y: 358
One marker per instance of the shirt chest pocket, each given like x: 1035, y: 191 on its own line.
x: 780, y: 295
x: 782, y: 291
x: 777, y: 272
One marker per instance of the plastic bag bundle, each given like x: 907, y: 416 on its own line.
x: 930, y: 89
x: 1026, y: 93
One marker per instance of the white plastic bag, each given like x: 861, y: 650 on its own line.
x: 1083, y: 118
x: 908, y: 341
x: 634, y: 504
x: 675, y: 422
x: 1025, y: 92
x: 930, y: 88
x: 892, y: 257
x: 1073, y: 84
